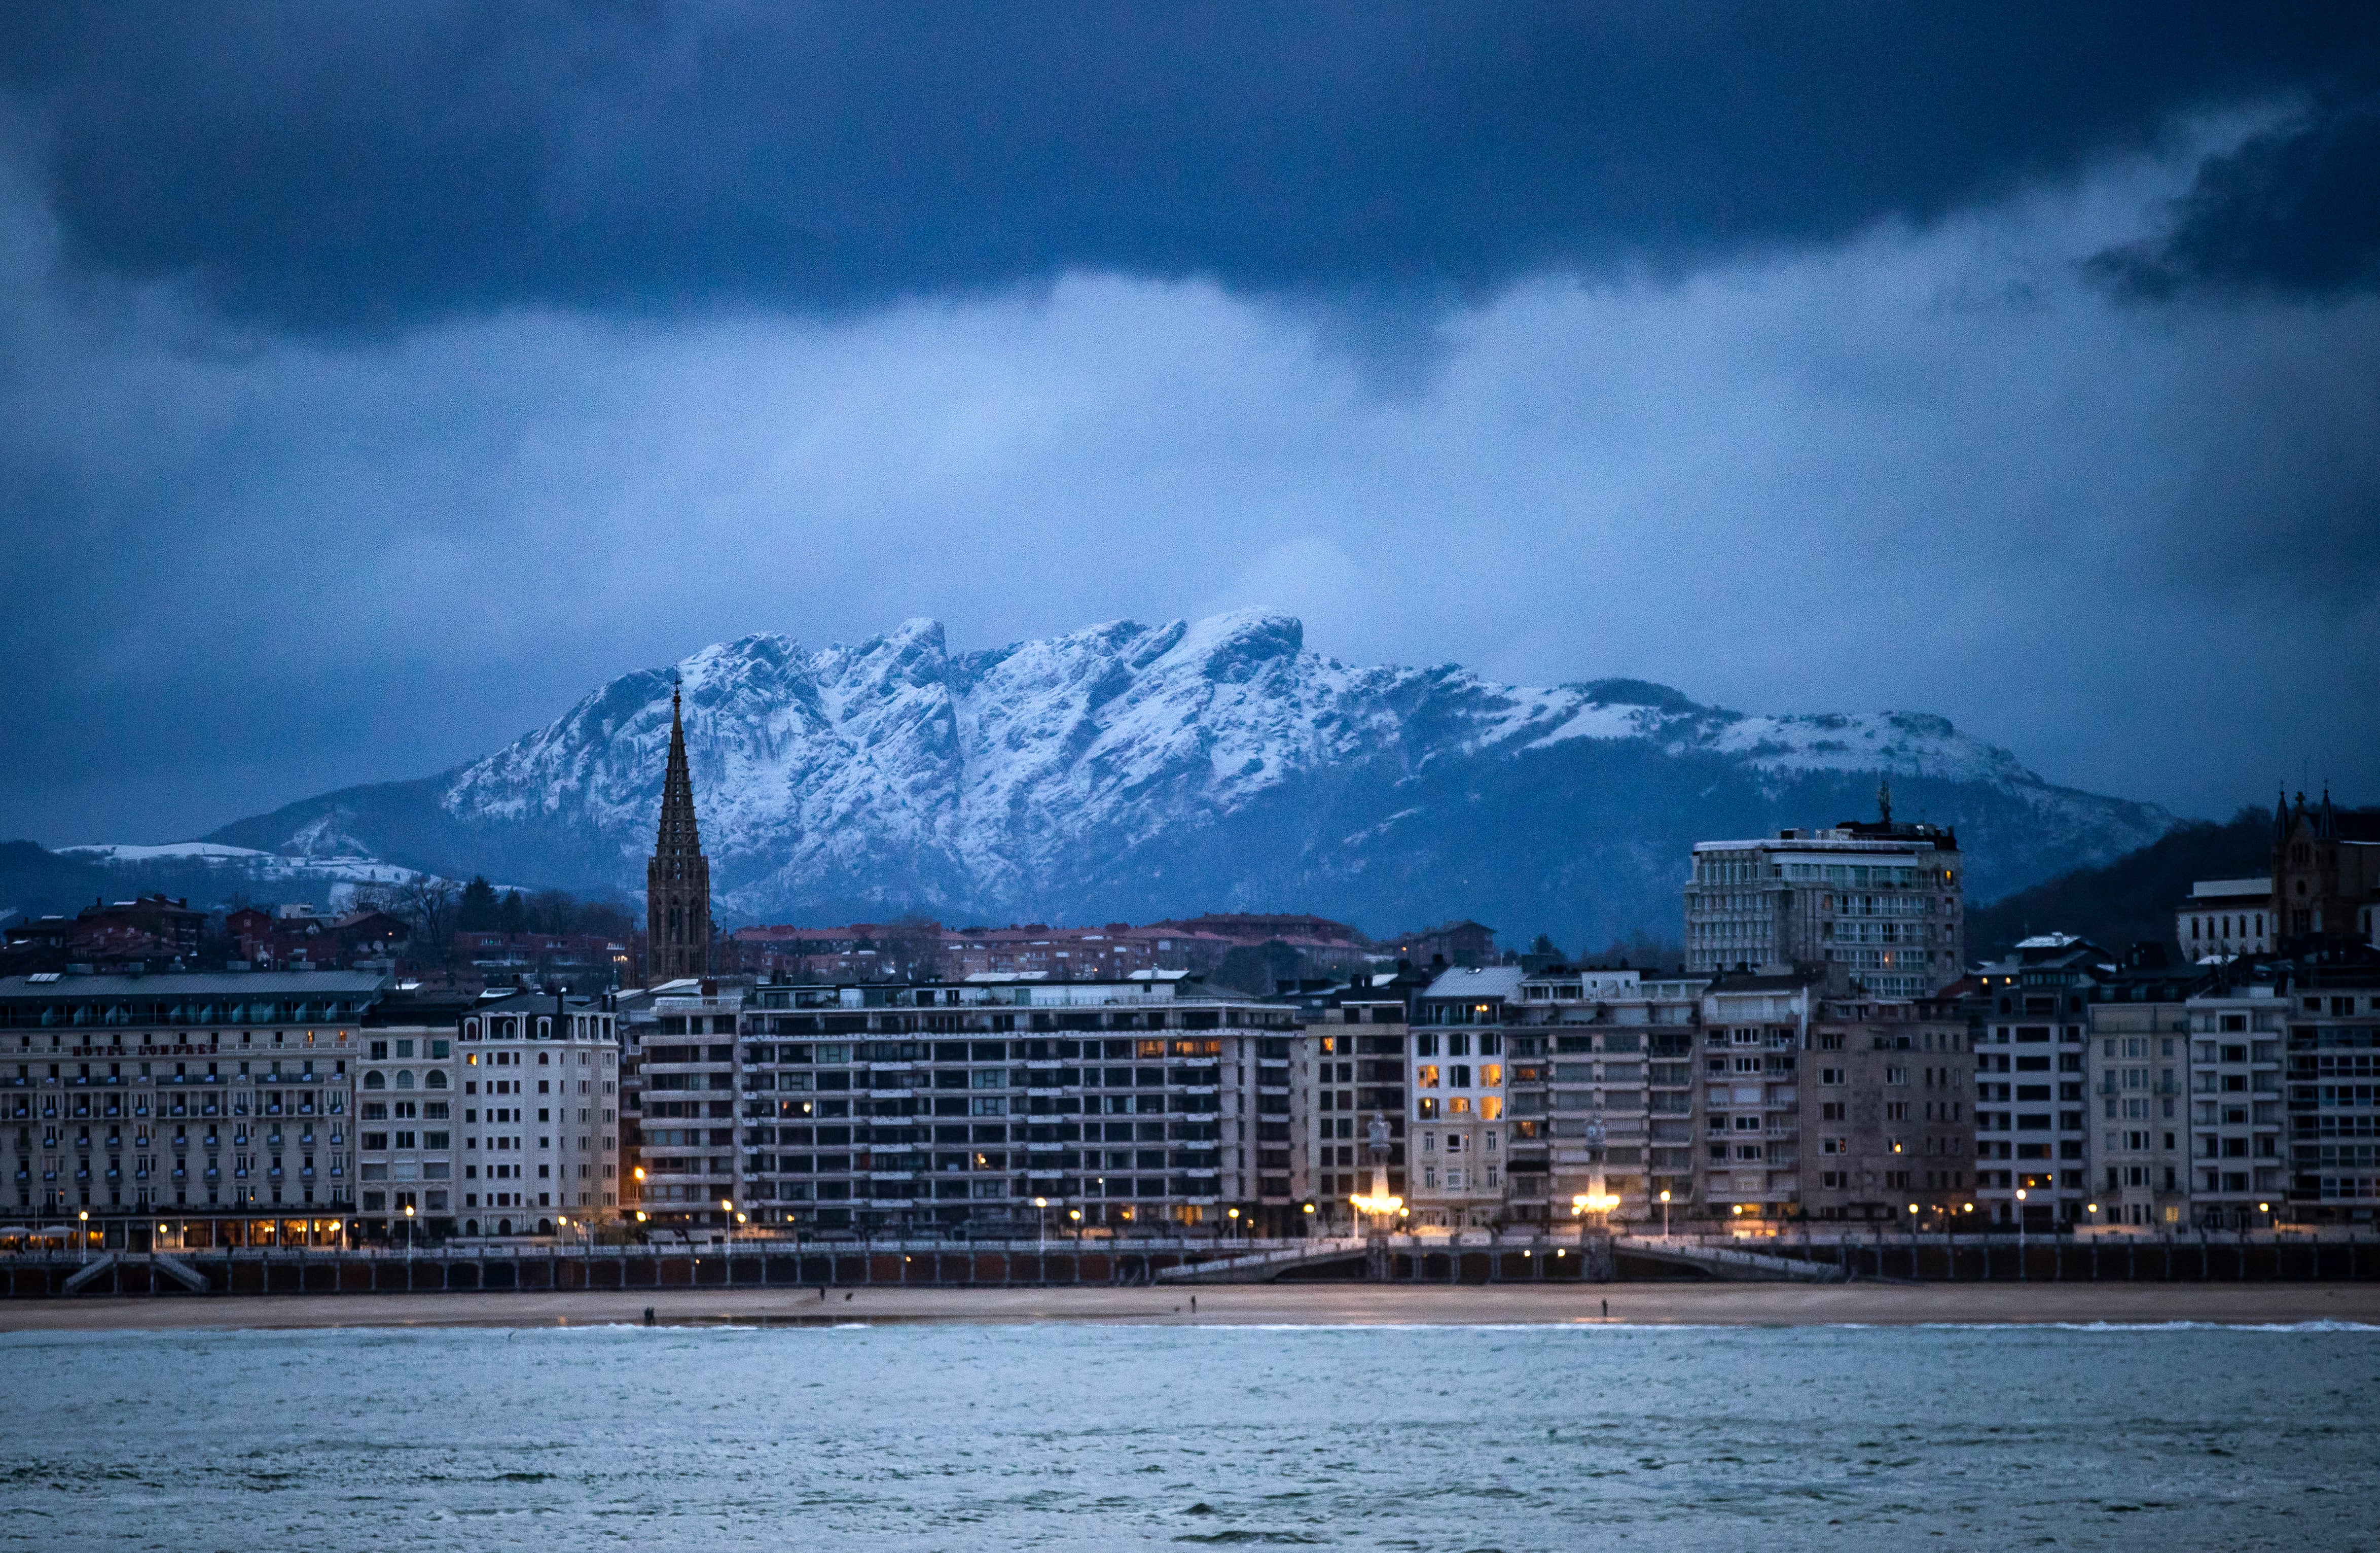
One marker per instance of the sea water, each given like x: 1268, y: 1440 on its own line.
x: 1092, y: 1437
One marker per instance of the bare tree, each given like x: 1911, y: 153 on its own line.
x: 428, y: 903
x: 553, y: 911
x: 912, y: 946
x: 377, y: 897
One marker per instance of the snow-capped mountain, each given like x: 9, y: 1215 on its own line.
x: 1130, y: 771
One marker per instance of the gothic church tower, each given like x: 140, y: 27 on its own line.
x: 677, y: 880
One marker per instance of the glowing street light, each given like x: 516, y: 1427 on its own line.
x: 1598, y: 1202
x: 1665, y: 1215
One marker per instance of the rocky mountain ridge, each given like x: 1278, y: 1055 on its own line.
x: 1131, y: 771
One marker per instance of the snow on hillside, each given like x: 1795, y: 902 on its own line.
x: 1136, y: 769
x: 984, y: 769
x: 350, y: 869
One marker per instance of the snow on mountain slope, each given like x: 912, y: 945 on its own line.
x: 1140, y: 770
x: 350, y: 867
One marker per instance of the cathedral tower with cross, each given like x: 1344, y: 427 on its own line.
x: 677, y: 880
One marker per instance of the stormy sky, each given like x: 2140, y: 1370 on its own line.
x: 375, y: 380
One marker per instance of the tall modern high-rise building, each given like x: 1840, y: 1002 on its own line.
x: 677, y: 880
x: 1884, y: 899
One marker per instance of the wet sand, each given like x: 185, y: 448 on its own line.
x: 1725, y: 1304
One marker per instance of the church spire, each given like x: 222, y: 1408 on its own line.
x: 677, y: 879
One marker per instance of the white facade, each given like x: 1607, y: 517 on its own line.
x: 1601, y: 1088
x: 1750, y: 1113
x: 540, y: 1123
x: 407, y: 1150
x: 2226, y: 918
x: 1454, y: 1158
x: 1888, y: 910
x: 2238, y: 1155
x: 2139, y: 1055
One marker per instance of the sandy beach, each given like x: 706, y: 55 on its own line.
x: 1255, y: 1304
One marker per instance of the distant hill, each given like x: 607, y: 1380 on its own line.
x: 2120, y: 903
x: 38, y: 882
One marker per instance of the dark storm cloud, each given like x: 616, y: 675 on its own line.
x: 343, y: 169
x: 2294, y: 210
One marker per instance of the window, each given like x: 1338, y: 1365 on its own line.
x: 1830, y: 1075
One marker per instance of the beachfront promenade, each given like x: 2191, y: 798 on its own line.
x: 1479, y: 1259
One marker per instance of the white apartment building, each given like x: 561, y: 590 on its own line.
x: 408, y: 1151
x: 2137, y: 1066
x: 1885, y: 902
x: 539, y: 1126
x: 1350, y: 1069
x: 1003, y: 1105
x: 2238, y: 1153
x: 1455, y: 1155
x: 2033, y: 1122
x: 1753, y: 1028
x: 2224, y: 919
x: 1600, y: 1081
x: 216, y: 1105
x: 2334, y: 1053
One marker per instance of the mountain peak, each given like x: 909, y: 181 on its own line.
x: 1133, y: 771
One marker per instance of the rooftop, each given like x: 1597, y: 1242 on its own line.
x: 1478, y: 981
x: 198, y: 984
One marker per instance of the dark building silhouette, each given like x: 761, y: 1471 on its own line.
x: 677, y: 880
x: 2326, y: 870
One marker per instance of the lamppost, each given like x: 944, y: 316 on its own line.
x: 1665, y: 1215
x: 1076, y: 1215
x: 1041, y: 1222
x: 1594, y: 1136
x: 1233, y: 1215
x: 409, y: 1230
x: 82, y: 1232
x: 1599, y: 1203
x: 2020, y: 1231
